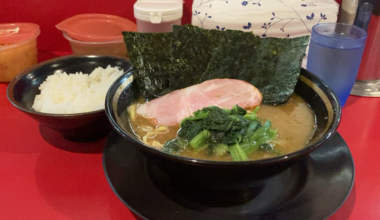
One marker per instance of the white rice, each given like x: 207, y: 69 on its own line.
x: 63, y: 93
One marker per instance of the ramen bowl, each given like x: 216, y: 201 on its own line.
x: 79, y: 127
x: 221, y: 182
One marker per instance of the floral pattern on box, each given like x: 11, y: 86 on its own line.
x: 265, y: 18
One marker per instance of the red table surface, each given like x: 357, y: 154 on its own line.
x: 44, y: 176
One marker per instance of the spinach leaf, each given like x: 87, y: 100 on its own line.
x: 189, y: 129
x: 221, y: 131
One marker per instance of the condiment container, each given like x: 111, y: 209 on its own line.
x: 18, y: 48
x: 157, y: 15
x: 368, y: 79
x: 363, y: 16
x: 98, y: 34
x: 347, y: 12
x: 116, y: 48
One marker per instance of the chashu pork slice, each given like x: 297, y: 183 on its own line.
x: 177, y: 105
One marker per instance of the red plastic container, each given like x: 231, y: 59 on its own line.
x: 18, y: 48
x: 98, y: 34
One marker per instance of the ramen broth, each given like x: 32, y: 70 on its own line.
x: 295, y: 123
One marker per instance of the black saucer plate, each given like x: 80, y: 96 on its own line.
x: 314, y: 188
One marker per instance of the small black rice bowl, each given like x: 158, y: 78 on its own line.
x: 79, y: 127
x: 220, y: 182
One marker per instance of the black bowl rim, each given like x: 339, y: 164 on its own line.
x: 283, y: 158
x: 15, y: 80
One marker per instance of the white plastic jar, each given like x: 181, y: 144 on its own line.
x: 157, y: 15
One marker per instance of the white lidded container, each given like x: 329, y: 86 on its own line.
x: 157, y: 15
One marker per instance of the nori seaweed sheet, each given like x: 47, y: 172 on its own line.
x: 273, y: 66
x: 276, y: 67
x: 150, y: 56
x: 192, y: 50
x: 230, y: 58
x: 164, y: 62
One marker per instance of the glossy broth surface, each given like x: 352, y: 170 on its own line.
x: 294, y: 121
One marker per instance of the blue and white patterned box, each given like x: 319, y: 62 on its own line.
x: 265, y: 18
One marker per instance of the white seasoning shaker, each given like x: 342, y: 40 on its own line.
x: 157, y: 15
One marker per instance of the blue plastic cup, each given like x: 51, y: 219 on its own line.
x: 335, y: 53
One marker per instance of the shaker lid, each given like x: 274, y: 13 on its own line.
x: 157, y: 11
x: 96, y: 27
x: 16, y: 32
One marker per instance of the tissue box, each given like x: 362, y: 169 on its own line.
x: 267, y: 18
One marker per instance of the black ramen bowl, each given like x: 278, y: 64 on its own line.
x: 220, y: 182
x: 79, y: 127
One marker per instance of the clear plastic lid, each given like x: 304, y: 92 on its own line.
x: 15, y: 32
x: 157, y: 11
x: 96, y: 27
